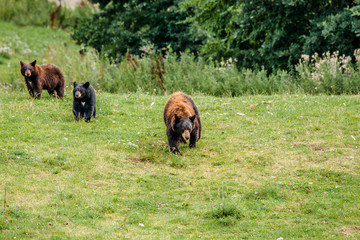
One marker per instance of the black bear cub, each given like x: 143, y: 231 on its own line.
x: 84, y: 101
x: 182, y: 121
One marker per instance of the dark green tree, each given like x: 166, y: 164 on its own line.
x: 338, y: 31
x: 273, y: 33
x: 123, y: 26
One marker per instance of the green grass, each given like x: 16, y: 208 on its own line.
x: 28, y: 43
x: 266, y: 166
x: 287, y: 168
x: 25, y: 12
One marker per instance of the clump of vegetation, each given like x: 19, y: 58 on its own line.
x: 330, y: 73
x: 225, y: 212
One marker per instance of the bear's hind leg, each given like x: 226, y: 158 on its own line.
x: 52, y: 93
x: 59, y: 91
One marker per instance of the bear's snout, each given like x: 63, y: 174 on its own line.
x: 186, y: 135
x: 28, y: 73
x: 78, y: 94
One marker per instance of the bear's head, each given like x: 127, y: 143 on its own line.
x: 183, y: 126
x: 28, y: 69
x: 80, y: 89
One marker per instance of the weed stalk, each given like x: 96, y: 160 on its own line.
x: 4, y: 199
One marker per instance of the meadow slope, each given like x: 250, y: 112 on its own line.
x: 266, y: 167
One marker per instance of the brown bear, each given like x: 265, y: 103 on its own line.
x: 182, y: 121
x: 39, y: 77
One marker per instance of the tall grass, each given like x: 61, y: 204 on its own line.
x: 330, y: 73
x: 27, y: 12
x: 37, y: 13
x: 157, y: 74
x: 163, y: 74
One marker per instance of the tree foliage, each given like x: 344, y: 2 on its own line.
x: 125, y: 25
x: 259, y: 33
x: 271, y: 33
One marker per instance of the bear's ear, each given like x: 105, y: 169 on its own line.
x: 75, y: 84
x: 192, y: 118
x: 33, y: 63
x: 86, y: 85
x: 21, y: 63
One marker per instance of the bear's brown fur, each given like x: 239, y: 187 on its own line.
x: 38, y: 77
x: 182, y: 121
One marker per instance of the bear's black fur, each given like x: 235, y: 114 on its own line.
x: 84, y: 101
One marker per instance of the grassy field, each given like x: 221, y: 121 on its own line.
x: 27, y: 44
x: 266, y: 167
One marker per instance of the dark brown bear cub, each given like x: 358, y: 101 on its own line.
x: 38, y: 77
x: 182, y: 121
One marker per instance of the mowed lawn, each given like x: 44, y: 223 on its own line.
x: 266, y: 167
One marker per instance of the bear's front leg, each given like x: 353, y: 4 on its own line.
x: 173, y: 141
x: 192, y: 143
x: 88, y: 111
x: 29, y: 88
x: 77, y: 110
x: 37, y: 95
x: 37, y: 92
x: 77, y: 115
